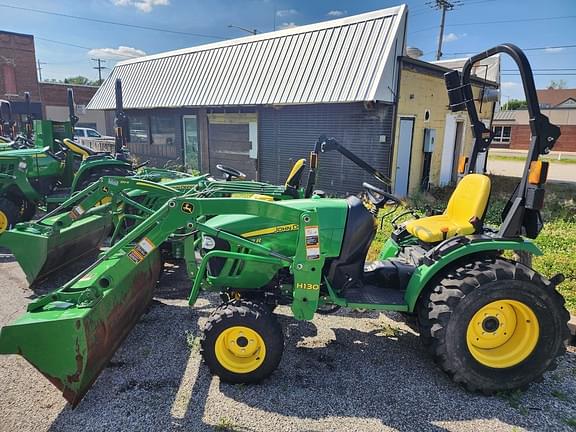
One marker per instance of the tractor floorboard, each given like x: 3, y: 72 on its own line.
x: 373, y: 294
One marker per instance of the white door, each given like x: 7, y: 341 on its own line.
x: 448, y: 149
x: 403, y: 156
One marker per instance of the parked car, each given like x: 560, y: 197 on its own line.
x: 84, y: 132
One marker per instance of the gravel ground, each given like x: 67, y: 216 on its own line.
x: 351, y: 371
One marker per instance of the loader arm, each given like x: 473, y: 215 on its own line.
x: 324, y: 145
x: 70, y: 334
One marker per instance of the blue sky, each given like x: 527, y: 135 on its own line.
x: 467, y: 30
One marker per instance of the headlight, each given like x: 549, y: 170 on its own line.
x: 208, y: 243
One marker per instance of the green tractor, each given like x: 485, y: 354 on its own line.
x: 56, y: 167
x: 492, y: 324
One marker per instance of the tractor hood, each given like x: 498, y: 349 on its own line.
x: 332, y: 215
x: 11, y: 154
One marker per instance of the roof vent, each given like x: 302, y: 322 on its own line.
x: 414, y: 52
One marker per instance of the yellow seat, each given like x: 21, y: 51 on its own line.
x: 78, y: 148
x: 295, y: 176
x: 467, y: 203
x: 293, y: 180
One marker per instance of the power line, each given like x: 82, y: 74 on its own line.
x: 524, y: 49
x: 75, y: 46
x: 63, y: 43
x: 100, y: 21
x: 542, y: 74
x: 542, y: 70
x: 498, y: 22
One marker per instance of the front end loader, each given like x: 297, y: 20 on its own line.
x: 490, y: 323
x: 57, y: 167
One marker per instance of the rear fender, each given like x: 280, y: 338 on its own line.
x: 89, y: 166
x: 448, y: 252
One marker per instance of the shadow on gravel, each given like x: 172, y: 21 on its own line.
x: 372, y: 375
x: 156, y: 380
x: 153, y: 381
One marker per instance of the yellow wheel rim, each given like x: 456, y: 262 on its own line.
x: 503, y: 333
x: 240, y: 349
x: 3, y: 221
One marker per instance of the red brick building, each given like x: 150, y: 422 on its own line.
x: 18, y: 74
x: 512, y: 129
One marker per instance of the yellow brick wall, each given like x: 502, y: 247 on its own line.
x: 419, y: 92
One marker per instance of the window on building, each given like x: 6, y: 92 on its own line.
x: 163, y: 129
x: 502, y: 134
x: 139, y: 129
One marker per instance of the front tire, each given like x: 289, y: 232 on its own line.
x: 496, y: 325
x: 242, y: 342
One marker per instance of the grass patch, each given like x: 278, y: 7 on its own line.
x: 225, y: 424
x: 523, y: 159
x: 192, y: 341
x: 557, y: 240
x: 571, y: 422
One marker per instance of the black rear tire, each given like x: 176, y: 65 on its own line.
x: 457, y: 302
x: 264, y: 342
x: 9, y: 214
x: 95, y: 175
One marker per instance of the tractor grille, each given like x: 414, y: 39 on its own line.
x: 8, y: 168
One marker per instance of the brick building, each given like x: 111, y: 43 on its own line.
x: 55, y: 105
x: 18, y: 74
x: 512, y: 128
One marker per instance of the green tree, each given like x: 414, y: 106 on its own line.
x: 515, y: 104
x: 82, y: 80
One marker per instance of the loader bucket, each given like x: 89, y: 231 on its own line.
x: 71, y: 334
x: 41, y: 249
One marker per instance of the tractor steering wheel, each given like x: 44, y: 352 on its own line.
x: 377, y: 196
x: 230, y: 173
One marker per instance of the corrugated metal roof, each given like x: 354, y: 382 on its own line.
x: 506, y: 115
x: 488, y: 69
x: 557, y: 116
x: 345, y: 60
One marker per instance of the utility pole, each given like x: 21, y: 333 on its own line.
x: 444, y: 6
x: 99, y: 67
x: 254, y: 31
x: 39, y: 67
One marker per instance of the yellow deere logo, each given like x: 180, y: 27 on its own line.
x: 105, y: 189
x: 187, y: 207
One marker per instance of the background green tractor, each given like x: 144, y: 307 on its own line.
x: 492, y: 324
x: 56, y: 167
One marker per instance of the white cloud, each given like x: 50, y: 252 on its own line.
x: 337, y: 13
x: 554, y: 50
x: 509, y: 85
x: 287, y: 25
x: 286, y: 12
x: 142, y: 5
x: 122, y: 52
x: 451, y: 37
